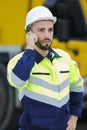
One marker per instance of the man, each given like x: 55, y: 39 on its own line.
x: 49, y: 83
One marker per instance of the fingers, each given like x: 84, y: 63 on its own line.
x: 31, y: 38
x: 72, y: 123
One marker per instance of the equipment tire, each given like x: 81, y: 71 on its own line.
x: 6, y: 99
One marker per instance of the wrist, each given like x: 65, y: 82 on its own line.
x: 74, y: 117
x: 31, y: 48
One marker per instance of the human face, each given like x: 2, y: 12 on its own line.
x: 44, y: 33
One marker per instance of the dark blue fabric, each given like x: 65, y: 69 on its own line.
x: 76, y: 103
x: 25, y: 64
x: 38, y: 115
x: 43, y: 116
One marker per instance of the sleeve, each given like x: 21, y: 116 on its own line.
x: 24, y: 65
x: 19, y: 68
x: 76, y: 90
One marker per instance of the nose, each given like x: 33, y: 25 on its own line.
x: 47, y: 33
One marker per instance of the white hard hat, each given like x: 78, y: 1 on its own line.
x: 39, y: 13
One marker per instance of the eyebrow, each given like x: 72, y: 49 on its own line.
x: 44, y: 28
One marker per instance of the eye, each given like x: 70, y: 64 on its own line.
x: 41, y: 29
x: 51, y: 30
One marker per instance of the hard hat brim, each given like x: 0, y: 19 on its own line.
x: 54, y: 19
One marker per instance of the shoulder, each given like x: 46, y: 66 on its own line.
x: 16, y: 57
x: 12, y: 62
x: 67, y: 58
x: 62, y: 53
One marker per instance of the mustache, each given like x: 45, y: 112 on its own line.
x: 46, y: 40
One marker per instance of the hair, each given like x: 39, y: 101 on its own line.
x: 28, y: 28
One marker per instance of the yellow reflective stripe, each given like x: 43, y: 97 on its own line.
x: 13, y: 62
x: 47, y: 92
x: 41, y: 82
x: 44, y: 98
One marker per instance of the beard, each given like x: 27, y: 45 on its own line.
x: 44, y: 47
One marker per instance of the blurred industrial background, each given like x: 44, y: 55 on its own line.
x: 70, y: 34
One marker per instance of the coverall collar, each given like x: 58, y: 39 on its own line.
x: 50, y: 56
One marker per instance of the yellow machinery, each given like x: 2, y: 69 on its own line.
x: 70, y: 35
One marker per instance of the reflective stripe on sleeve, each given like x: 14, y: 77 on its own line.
x: 17, y: 80
x: 75, y: 87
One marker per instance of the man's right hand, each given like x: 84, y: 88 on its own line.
x: 31, y: 38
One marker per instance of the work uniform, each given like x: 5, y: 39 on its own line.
x: 50, y: 89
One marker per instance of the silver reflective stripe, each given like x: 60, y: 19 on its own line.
x: 44, y: 99
x: 75, y: 84
x: 17, y: 80
x: 56, y: 88
x: 73, y: 87
x: 77, y: 89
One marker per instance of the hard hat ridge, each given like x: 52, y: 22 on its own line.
x: 39, y: 13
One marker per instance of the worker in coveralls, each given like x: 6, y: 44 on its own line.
x: 49, y: 83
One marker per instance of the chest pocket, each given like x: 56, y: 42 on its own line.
x: 40, y: 73
x: 66, y: 71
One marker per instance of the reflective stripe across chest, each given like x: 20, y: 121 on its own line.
x: 48, y: 83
